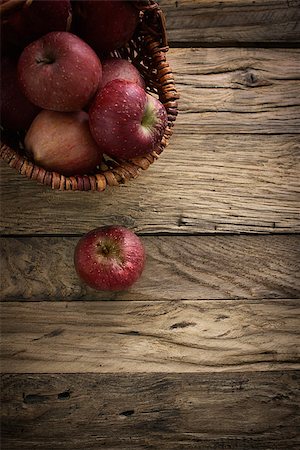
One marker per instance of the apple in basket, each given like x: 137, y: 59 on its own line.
x: 105, y: 25
x: 20, y: 26
x: 117, y: 68
x: 62, y: 142
x: 109, y: 258
x: 59, y: 72
x: 126, y: 121
x: 17, y: 112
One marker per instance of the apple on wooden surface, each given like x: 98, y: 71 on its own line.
x: 126, y: 121
x: 22, y: 25
x: 109, y: 258
x: 106, y: 25
x: 117, y: 68
x: 62, y: 142
x: 59, y: 72
x: 17, y: 112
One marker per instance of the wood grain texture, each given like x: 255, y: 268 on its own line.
x: 185, y: 336
x: 186, y: 267
x: 232, y: 22
x: 252, y: 411
x: 201, y: 184
x: 213, y: 365
x: 237, y: 90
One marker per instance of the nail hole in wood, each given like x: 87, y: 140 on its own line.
x: 127, y: 413
x: 64, y: 395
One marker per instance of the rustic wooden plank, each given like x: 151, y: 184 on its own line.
x: 230, y: 22
x: 186, y: 267
x: 185, y: 336
x: 237, y: 90
x: 150, y: 411
x: 201, y: 184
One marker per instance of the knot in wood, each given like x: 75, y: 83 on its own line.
x: 251, y: 79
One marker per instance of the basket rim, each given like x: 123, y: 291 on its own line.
x: 120, y: 171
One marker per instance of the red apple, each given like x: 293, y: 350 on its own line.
x: 24, y: 24
x: 59, y: 71
x: 125, y: 121
x: 62, y: 142
x: 109, y: 258
x: 116, y: 69
x: 17, y: 112
x: 106, y: 25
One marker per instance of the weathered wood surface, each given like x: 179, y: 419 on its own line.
x: 185, y: 336
x: 201, y: 184
x: 237, y: 90
x: 231, y: 22
x: 226, y: 319
x: 186, y: 267
x: 252, y: 411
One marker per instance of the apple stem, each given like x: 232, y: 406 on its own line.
x: 104, y: 249
x: 45, y: 60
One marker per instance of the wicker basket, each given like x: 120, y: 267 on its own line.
x: 147, y: 50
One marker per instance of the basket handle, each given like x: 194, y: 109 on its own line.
x: 163, y: 23
x: 152, y: 5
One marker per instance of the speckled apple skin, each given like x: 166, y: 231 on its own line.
x: 115, y: 120
x: 120, y: 69
x: 69, y: 82
x: 110, y: 273
x: 63, y: 142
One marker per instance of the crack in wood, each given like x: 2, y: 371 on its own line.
x: 53, y: 333
x: 127, y: 413
x: 182, y: 325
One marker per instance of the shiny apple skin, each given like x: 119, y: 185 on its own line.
x: 109, y: 258
x: 118, y: 120
x: 120, y: 69
x: 59, y: 72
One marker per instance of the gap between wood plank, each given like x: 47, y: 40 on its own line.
x: 174, y: 234
x: 237, y: 22
x: 257, y: 300
x: 234, y: 44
